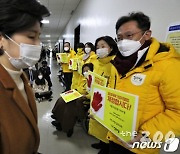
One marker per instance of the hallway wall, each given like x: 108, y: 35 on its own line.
x: 98, y: 17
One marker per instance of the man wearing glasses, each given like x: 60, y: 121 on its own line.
x: 151, y: 70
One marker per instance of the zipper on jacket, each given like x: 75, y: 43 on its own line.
x: 115, y: 82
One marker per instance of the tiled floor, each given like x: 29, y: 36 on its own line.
x: 55, y: 142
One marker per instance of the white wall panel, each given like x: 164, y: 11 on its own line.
x: 98, y: 17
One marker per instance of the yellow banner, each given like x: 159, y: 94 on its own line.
x: 116, y: 110
x: 70, y: 95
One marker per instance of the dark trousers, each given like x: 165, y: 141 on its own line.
x: 118, y: 149
x: 68, y: 80
x: 104, y: 148
x: 67, y: 113
x: 47, y: 94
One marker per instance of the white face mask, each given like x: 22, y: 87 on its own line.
x: 40, y: 77
x: 66, y: 48
x: 102, y: 52
x: 87, y: 50
x: 85, y: 74
x: 29, y: 55
x: 128, y: 47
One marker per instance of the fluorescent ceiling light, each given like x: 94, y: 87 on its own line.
x: 44, y: 21
x: 47, y: 35
x: 49, y: 40
x: 68, y: 36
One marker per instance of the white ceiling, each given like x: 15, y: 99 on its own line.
x: 61, y: 12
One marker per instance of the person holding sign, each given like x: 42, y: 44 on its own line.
x: 67, y: 113
x: 106, y: 49
x: 65, y: 66
x: 149, y: 69
x: 79, y: 55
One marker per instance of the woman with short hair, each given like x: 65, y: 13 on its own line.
x: 20, y: 26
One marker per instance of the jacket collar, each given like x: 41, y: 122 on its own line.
x: 152, y: 49
x: 5, y: 79
x: 106, y: 59
x: 148, y: 62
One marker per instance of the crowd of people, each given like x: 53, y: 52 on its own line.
x: 135, y: 55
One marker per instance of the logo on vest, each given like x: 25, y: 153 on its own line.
x: 138, y: 79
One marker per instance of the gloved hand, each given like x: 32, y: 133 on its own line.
x: 89, y: 81
x: 96, y: 102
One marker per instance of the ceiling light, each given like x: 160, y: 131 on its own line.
x: 49, y: 40
x: 47, y: 35
x: 68, y: 36
x: 45, y: 21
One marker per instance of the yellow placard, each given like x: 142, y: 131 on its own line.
x: 116, y: 110
x: 73, y: 64
x: 62, y: 57
x: 70, y: 95
x: 58, y: 57
x: 94, y: 78
x: 173, y: 36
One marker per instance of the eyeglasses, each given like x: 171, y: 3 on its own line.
x: 127, y: 35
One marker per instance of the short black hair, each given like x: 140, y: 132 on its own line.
x: 142, y: 20
x: 44, y: 62
x: 110, y: 41
x: 91, y: 46
x: 90, y: 65
x: 19, y: 15
x: 67, y: 43
x: 80, y: 45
